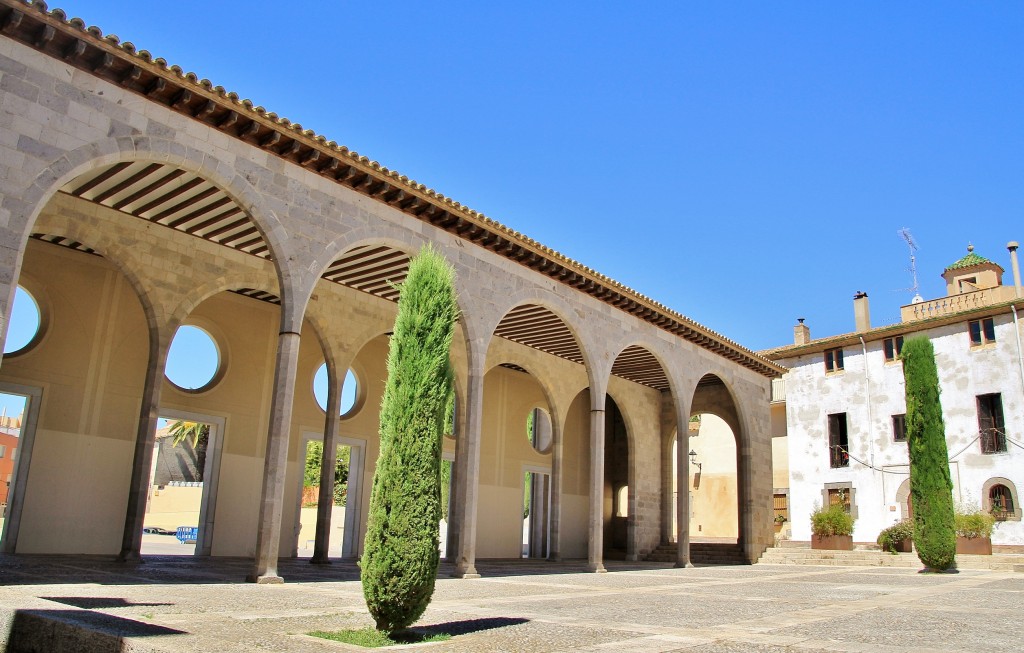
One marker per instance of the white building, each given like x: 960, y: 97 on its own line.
x: 844, y: 403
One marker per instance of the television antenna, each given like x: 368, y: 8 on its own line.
x: 912, y: 244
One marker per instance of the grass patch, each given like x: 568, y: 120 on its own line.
x: 372, y: 638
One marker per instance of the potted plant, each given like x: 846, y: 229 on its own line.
x: 974, y: 531
x: 898, y: 538
x: 832, y: 528
x: 780, y: 521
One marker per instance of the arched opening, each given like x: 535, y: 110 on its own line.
x: 357, y: 446
x: 903, y: 500
x: 69, y: 480
x: 999, y: 499
x: 643, y: 501
x: 114, y: 253
x: 520, y: 429
x: 721, y: 510
x: 714, y: 496
x: 616, y: 482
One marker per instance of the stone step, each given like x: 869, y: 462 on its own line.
x: 701, y: 553
x: 864, y: 558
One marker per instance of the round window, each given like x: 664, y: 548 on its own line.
x: 193, y: 360
x: 349, y: 390
x: 538, y: 429
x: 24, y: 322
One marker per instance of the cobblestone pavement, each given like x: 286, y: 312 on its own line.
x: 186, y: 604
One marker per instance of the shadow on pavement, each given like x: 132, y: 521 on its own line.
x: 67, y: 631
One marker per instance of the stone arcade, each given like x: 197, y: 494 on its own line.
x: 135, y: 198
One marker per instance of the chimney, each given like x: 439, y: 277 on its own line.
x: 801, y: 333
x: 861, y: 312
x: 1012, y: 246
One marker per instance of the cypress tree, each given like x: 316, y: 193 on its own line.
x: 931, y: 489
x: 400, y: 556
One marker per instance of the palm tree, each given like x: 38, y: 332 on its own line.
x: 198, y: 435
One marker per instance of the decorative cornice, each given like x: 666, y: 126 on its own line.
x: 120, y: 63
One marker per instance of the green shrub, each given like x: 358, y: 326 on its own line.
x: 931, y: 489
x: 901, y: 530
x: 974, y: 524
x: 833, y: 520
x: 400, y: 558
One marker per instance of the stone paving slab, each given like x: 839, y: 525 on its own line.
x: 195, y: 604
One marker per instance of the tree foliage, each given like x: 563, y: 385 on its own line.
x: 931, y: 489
x: 311, y: 475
x: 195, y: 434
x: 400, y: 558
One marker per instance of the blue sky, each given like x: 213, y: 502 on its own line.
x: 743, y: 163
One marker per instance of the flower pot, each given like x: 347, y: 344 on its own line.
x: 974, y: 545
x: 835, y: 542
x: 903, y: 546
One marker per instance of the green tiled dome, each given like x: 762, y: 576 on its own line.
x: 969, y: 261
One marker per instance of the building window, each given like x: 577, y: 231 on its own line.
x: 990, y: 423
x: 781, y: 504
x: 892, y: 347
x: 1001, y: 501
x: 982, y: 332
x: 843, y: 494
x: 999, y: 496
x: 839, y: 497
x: 834, y: 360
x: 899, y: 428
x: 838, y: 444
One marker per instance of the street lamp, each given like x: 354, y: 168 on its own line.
x: 693, y: 459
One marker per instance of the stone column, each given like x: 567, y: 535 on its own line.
x: 451, y: 552
x: 557, y: 461
x: 268, y: 539
x: 595, y: 554
x: 145, y: 439
x: 325, y: 500
x: 467, y: 458
x: 683, y: 492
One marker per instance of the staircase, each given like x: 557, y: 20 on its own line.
x: 702, y: 553
x: 868, y: 558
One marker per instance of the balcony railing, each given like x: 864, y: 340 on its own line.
x: 993, y: 441
x: 956, y: 303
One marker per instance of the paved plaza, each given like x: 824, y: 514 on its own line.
x: 183, y: 604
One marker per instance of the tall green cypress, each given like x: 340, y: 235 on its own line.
x: 931, y: 489
x: 400, y: 556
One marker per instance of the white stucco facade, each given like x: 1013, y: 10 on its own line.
x: 870, y: 390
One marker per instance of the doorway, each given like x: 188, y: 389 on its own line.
x: 19, y: 414
x: 536, y: 512
x: 181, y: 501
x: 343, y: 540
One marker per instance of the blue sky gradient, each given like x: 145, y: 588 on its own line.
x: 743, y: 163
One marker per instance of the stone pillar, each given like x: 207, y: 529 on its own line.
x: 145, y: 439
x: 557, y: 461
x: 683, y: 492
x: 467, y: 458
x: 595, y: 554
x: 268, y: 539
x: 455, y: 500
x: 325, y: 500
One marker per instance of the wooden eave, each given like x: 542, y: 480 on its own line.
x: 32, y: 24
